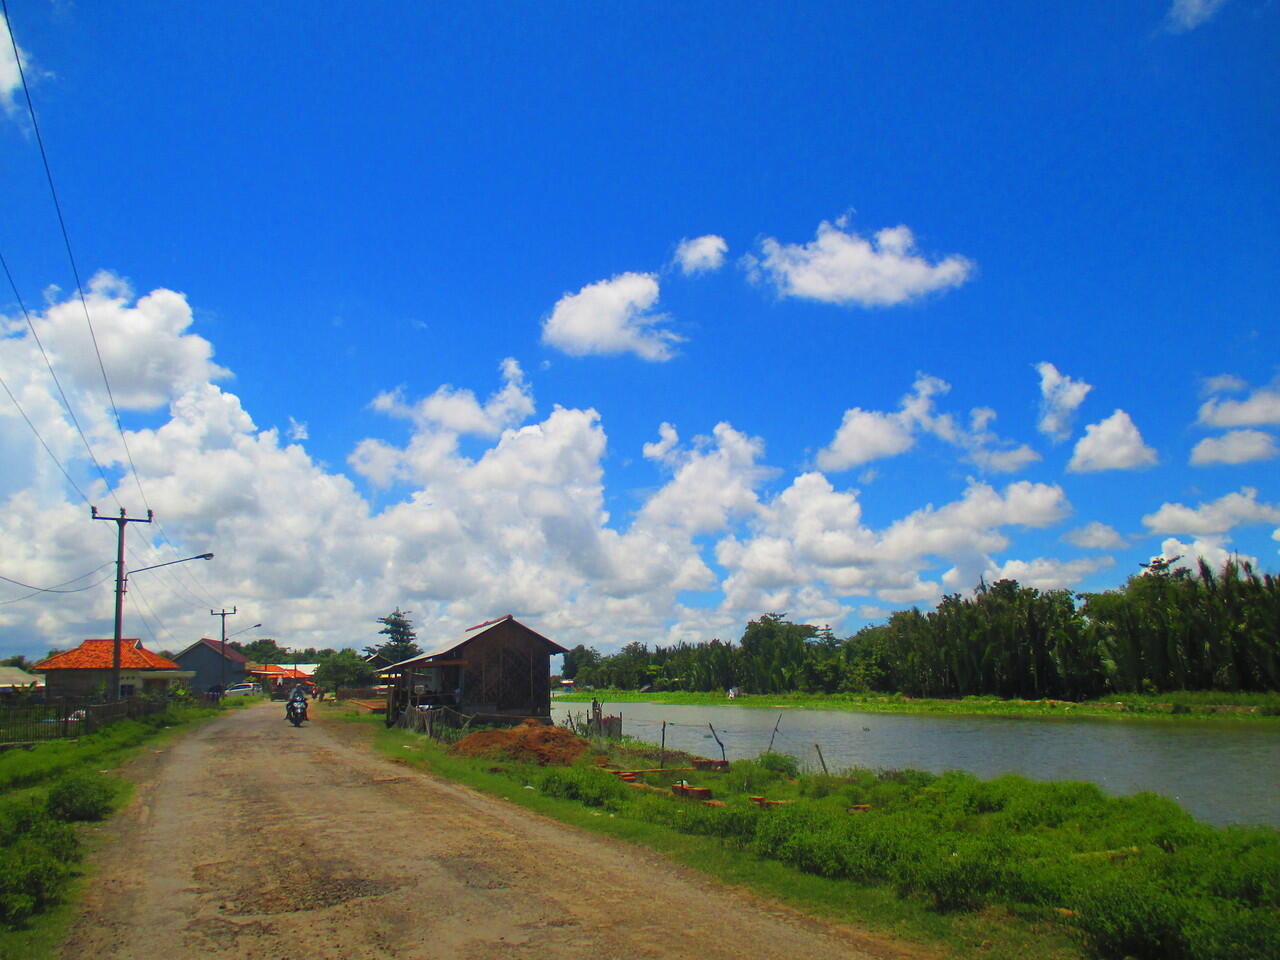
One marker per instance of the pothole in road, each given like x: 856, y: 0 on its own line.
x: 476, y: 873
x: 293, y: 895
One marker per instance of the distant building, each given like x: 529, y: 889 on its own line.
x: 211, y: 666
x: 502, y: 670
x: 13, y: 680
x: 278, y: 681
x: 86, y: 670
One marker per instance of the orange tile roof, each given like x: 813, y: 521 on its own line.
x: 285, y: 673
x: 97, y: 655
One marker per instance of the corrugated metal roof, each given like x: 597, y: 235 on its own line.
x: 455, y: 644
x: 17, y: 677
x: 234, y: 655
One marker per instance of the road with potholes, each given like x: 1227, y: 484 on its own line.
x: 249, y: 838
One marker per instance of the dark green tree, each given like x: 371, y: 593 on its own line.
x: 400, y: 643
x: 346, y: 668
x: 576, y: 659
x: 265, y: 650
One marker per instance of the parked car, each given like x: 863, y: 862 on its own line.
x: 243, y: 690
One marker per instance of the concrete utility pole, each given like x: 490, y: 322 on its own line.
x: 223, y: 613
x: 120, y: 523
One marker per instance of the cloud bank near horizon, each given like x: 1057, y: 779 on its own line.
x: 513, y: 520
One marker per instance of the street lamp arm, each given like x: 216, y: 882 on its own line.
x: 200, y: 556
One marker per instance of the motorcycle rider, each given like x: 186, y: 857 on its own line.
x: 297, y: 696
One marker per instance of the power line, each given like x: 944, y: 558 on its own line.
x: 75, y: 271
x: 53, y: 456
x: 56, y: 589
x: 66, y: 402
x: 66, y: 237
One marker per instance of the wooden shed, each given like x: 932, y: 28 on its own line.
x: 500, y: 670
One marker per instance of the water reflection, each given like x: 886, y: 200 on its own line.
x: 1221, y: 772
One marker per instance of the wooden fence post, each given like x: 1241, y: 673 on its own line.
x: 774, y: 734
x: 717, y: 736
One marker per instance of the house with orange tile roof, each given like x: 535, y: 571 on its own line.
x: 85, y: 671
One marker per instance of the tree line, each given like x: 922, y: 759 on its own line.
x: 1165, y: 629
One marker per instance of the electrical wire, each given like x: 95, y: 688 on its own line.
x: 84, y: 304
x: 66, y: 403
x: 57, y: 589
x: 53, y: 456
x: 66, y: 239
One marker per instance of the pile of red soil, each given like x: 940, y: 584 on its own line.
x: 528, y: 743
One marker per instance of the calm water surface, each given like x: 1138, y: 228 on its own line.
x: 1222, y: 772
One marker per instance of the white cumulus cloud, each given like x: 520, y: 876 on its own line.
x: 1113, y: 444
x: 1216, y: 516
x: 1212, y: 550
x: 1060, y: 397
x: 1261, y: 407
x: 1235, y: 446
x: 701, y: 254
x: 1096, y: 536
x: 610, y: 317
x: 865, y: 435
x: 145, y: 345
x: 10, y: 77
x: 1189, y: 14
x: 841, y: 266
x: 1045, y: 573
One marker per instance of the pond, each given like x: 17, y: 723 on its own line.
x: 1222, y: 772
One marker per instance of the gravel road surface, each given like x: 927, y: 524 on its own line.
x: 250, y: 838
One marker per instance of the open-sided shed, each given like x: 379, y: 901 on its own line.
x: 501, y: 669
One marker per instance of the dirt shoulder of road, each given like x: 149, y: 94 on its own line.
x: 249, y: 838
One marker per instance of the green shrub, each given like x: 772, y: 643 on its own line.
x: 1228, y: 931
x: 753, y: 776
x: 36, y: 854
x: 587, y: 785
x: 819, y: 785
x: 780, y: 763
x: 81, y: 796
x: 1128, y: 918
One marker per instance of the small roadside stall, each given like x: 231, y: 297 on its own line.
x: 499, y: 674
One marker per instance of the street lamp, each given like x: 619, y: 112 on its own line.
x: 225, y: 638
x: 122, y: 583
x: 224, y: 613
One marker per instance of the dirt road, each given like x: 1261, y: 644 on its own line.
x: 250, y: 838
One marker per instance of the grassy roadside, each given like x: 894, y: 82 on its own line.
x: 992, y: 932
x: 48, y: 793
x: 1199, y: 705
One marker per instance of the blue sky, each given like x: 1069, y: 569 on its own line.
x: 633, y: 321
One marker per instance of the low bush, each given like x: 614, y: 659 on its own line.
x: 36, y: 857
x: 759, y: 775
x: 587, y: 785
x: 1137, y: 875
x: 81, y: 796
x: 60, y: 785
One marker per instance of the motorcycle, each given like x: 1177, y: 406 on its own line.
x: 296, y: 711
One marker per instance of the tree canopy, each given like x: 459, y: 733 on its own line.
x: 345, y: 668
x: 264, y: 650
x: 1166, y: 629
x: 400, y: 643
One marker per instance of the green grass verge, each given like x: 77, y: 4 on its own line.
x: 1173, y: 707
x: 47, y: 792
x: 995, y: 933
